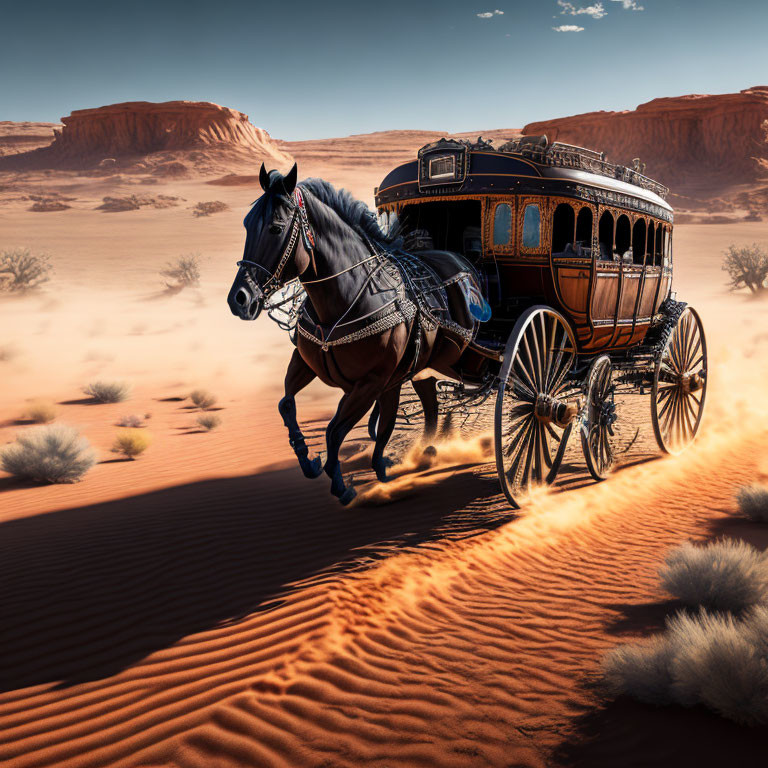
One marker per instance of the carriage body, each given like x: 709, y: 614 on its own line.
x: 544, y: 224
x: 575, y: 257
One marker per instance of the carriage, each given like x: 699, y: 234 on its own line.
x: 574, y: 255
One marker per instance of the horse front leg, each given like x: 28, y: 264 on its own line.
x: 298, y: 375
x: 352, y: 408
x: 388, y: 403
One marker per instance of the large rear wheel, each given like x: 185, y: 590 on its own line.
x: 680, y: 384
x: 536, y: 401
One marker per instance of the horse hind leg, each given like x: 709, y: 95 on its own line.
x: 298, y: 375
x: 388, y: 403
x: 426, y: 389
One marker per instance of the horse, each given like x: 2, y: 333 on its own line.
x: 367, y: 325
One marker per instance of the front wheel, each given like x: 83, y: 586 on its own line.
x: 535, y: 404
x: 680, y: 384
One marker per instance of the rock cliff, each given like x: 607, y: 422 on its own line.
x: 688, y: 142
x: 141, y: 128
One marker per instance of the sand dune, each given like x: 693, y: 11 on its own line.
x: 206, y: 605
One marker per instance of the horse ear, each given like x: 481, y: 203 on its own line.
x: 289, y: 180
x: 264, y: 178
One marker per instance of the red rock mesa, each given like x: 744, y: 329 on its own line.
x: 688, y: 142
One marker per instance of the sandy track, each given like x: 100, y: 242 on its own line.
x: 207, y: 606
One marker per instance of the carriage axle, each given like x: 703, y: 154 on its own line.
x: 550, y: 410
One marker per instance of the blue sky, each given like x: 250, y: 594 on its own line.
x: 317, y: 69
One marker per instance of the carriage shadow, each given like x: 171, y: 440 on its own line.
x: 90, y: 591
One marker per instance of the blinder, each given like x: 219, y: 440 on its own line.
x: 299, y: 224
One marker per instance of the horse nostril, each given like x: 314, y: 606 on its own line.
x: 241, y: 297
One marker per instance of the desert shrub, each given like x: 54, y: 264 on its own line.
x: 753, y: 502
x: 40, y: 411
x: 133, y: 421
x: 185, y: 271
x: 716, y: 663
x: 207, y: 208
x: 747, y: 267
x: 710, y: 659
x: 202, y: 399
x: 642, y: 670
x: 131, y: 442
x: 21, y: 270
x: 208, y: 421
x: 107, y: 391
x: 55, y: 454
x: 722, y: 576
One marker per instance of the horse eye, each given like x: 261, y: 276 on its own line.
x: 275, y: 229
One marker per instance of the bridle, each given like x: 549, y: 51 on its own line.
x: 299, y: 224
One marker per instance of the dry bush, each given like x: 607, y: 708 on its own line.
x: 107, y: 391
x: 208, y: 421
x: 40, y: 411
x: 753, y: 502
x: 710, y: 659
x: 209, y: 207
x: 55, y: 454
x: 131, y: 442
x: 132, y: 422
x: 185, y: 271
x: 203, y: 399
x: 717, y: 664
x: 643, y: 670
x: 747, y: 267
x: 23, y: 271
x: 722, y: 576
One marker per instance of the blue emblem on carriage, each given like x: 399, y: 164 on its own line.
x: 479, y: 308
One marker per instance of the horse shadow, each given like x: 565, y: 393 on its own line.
x: 86, y: 592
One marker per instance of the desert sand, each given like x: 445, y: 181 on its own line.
x: 205, y: 605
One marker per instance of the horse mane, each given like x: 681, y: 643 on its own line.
x: 353, y: 212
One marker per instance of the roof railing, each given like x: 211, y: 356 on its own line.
x: 561, y: 155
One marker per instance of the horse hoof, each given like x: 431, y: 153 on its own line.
x: 430, y: 450
x: 347, y: 496
x: 313, y: 468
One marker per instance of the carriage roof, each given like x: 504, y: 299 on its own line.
x: 528, y: 165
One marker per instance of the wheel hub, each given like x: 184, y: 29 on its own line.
x: 692, y: 382
x: 550, y: 410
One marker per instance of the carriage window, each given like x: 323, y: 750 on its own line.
x: 623, y: 237
x: 606, y: 236
x: 638, y: 241
x: 442, y: 167
x: 584, y: 228
x: 563, y: 225
x: 531, y: 227
x: 502, y: 224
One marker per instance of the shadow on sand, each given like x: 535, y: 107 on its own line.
x: 89, y: 591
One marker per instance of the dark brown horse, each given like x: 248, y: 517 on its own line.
x: 365, y: 328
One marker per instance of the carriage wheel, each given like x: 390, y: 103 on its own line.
x: 598, y: 438
x: 680, y: 384
x: 534, y: 410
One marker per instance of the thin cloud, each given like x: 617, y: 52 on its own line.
x: 596, y: 11
x: 629, y: 5
x: 568, y: 28
x: 490, y: 14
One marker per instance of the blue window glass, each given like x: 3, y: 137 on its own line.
x: 531, y: 227
x: 502, y: 224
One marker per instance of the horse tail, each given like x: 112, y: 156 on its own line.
x: 373, y: 421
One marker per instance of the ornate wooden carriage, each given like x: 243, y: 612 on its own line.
x: 575, y: 255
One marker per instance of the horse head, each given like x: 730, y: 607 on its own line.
x: 273, y: 238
